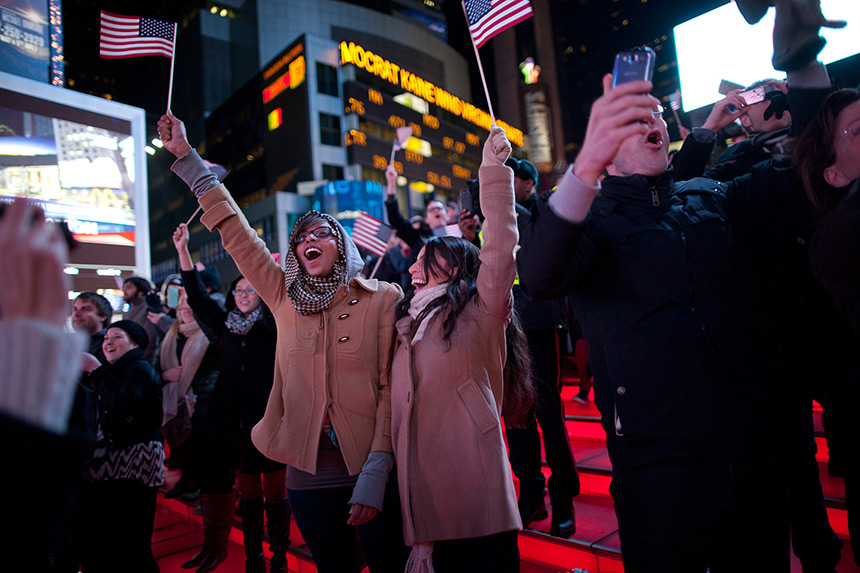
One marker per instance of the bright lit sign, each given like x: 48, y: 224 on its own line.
x: 292, y: 79
x: 350, y: 53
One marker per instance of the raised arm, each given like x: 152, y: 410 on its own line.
x: 205, y: 309
x: 404, y: 228
x: 221, y: 212
x: 498, y: 265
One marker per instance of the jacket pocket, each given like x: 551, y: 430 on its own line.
x: 476, y: 404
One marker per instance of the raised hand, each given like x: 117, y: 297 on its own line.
x: 619, y: 113
x: 33, y: 254
x: 391, y: 178
x: 726, y: 111
x: 171, y: 131
x: 180, y: 237
x: 497, y: 148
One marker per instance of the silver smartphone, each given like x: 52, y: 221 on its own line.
x: 633, y: 65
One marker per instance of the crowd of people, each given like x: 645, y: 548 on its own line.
x: 388, y: 418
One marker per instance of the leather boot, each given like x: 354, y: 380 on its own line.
x: 251, y: 512
x: 278, y: 525
x: 796, y: 39
x: 218, y: 514
x: 563, y: 522
x: 753, y: 10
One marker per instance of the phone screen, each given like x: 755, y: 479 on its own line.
x: 173, y: 297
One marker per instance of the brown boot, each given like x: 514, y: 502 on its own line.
x: 796, y: 39
x: 217, y: 521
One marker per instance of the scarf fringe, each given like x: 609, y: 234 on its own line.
x: 420, y: 559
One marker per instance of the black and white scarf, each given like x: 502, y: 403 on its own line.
x: 237, y: 323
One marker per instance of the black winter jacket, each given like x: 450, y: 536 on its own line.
x: 663, y: 279
x: 245, y: 380
x: 129, y: 392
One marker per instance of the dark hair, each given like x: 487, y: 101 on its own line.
x: 815, y: 151
x: 102, y: 305
x: 140, y: 283
x: 462, y: 259
x: 230, y: 300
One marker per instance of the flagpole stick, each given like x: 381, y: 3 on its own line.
x: 677, y: 117
x: 193, y: 215
x: 393, y: 150
x: 480, y: 67
x: 172, y: 57
x: 376, y: 267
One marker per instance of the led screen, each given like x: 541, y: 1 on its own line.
x: 720, y: 45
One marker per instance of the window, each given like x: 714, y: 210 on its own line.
x: 327, y: 80
x: 329, y: 129
x: 332, y: 172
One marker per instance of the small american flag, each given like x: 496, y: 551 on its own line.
x: 453, y: 230
x: 372, y: 234
x: 489, y: 17
x: 133, y: 36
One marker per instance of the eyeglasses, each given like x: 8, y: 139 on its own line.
x: 242, y: 292
x: 319, y: 233
x: 657, y: 113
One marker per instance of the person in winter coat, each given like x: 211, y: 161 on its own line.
x: 328, y: 415
x: 247, y: 335
x: 456, y: 490
x: 128, y: 464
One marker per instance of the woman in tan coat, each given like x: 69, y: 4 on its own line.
x: 456, y: 490
x: 328, y: 415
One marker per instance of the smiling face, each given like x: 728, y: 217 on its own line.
x: 846, y: 145
x: 85, y: 316
x: 116, y: 344
x: 424, y: 278
x: 643, y: 154
x: 246, y: 298
x: 315, y: 245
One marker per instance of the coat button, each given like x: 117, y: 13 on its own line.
x: 344, y: 315
x: 353, y: 301
x: 343, y: 339
x: 621, y: 390
x: 129, y: 418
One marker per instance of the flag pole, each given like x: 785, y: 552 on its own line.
x: 376, y: 267
x: 480, y: 67
x: 393, y: 150
x: 194, y: 214
x: 172, y: 57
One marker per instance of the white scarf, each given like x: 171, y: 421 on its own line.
x: 419, y: 302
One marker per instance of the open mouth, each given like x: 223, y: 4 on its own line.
x: 654, y: 138
x: 312, y: 253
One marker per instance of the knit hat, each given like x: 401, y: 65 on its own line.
x: 211, y: 278
x: 524, y: 169
x: 135, y: 332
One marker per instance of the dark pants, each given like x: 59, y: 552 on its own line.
x: 524, y: 443
x: 321, y: 516
x: 498, y: 553
x: 690, y: 514
x: 119, y: 522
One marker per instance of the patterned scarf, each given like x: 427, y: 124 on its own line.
x: 309, y: 294
x: 238, y: 324
x: 419, y: 302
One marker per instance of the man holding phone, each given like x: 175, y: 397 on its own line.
x: 668, y: 302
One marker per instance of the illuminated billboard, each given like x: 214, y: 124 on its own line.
x: 720, y: 45
x: 81, y: 158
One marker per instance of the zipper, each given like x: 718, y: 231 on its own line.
x: 618, y: 430
x: 655, y: 199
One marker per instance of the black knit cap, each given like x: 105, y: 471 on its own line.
x: 134, y: 330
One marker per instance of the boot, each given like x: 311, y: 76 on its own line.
x: 563, y: 522
x: 278, y: 525
x: 753, y: 10
x: 251, y: 512
x: 217, y: 521
x: 796, y: 42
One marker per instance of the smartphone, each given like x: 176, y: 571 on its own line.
x: 173, y: 296
x: 466, y: 200
x: 758, y: 94
x: 633, y: 65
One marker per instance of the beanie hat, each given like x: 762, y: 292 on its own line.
x: 211, y: 278
x: 135, y: 332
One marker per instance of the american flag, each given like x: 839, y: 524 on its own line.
x: 489, y: 17
x: 372, y: 234
x: 133, y: 36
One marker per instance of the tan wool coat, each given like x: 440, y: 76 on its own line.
x: 334, y: 361
x: 452, y: 466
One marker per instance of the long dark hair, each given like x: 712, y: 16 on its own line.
x: 815, y: 151
x: 458, y: 261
